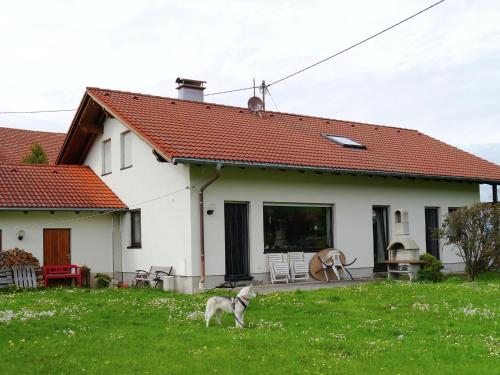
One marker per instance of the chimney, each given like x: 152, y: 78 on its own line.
x: 190, y: 89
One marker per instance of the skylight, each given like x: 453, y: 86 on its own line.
x: 344, y: 141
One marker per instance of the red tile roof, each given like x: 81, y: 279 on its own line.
x: 54, y: 187
x: 16, y: 143
x: 182, y: 130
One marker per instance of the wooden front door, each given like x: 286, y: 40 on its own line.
x: 56, y: 247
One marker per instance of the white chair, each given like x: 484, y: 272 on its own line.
x: 278, y: 268
x: 332, y: 261
x: 299, y: 270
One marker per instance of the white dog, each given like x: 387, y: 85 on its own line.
x: 235, y: 305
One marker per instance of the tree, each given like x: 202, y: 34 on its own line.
x: 475, y: 231
x: 36, y: 156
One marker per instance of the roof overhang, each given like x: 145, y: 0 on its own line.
x: 245, y: 164
x: 86, y: 125
x: 107, y: 210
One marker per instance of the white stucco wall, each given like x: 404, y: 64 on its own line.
x: 352, y: 198
x: 90, y: 238
x: 158, y: 189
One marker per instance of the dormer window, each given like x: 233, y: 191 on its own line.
x: 344, y: 141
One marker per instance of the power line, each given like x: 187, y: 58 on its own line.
x: 357, y: 44
x: 281, y: 79
x: 188, y: 187
x: 228, y: 91
x: 40, y: 111
x: 272, y: 98
x: 337, y: 53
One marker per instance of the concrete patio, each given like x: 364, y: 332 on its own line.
x: 306, y: 285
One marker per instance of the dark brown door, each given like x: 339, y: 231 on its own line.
x: 56, y: 247
x: 236, y: 235
x: 431, y: 226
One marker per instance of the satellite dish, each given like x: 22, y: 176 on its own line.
x: 255, y: 104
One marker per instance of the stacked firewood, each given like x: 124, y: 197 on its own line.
x: 19, y: 257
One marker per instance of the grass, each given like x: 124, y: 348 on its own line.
x: 378, y: 328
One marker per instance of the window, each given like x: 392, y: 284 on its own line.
x: 126, y: 150
x: 297, y: 228
x: 344, y: 141
x: 106, y: 157
x: 135, y: 229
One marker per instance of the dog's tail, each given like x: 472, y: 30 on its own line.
x: 207, y: 312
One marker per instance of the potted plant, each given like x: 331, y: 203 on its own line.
x: 102, y: 280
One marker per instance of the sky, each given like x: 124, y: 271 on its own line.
x: 437, y: 73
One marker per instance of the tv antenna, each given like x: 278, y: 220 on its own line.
x: 256, y: 104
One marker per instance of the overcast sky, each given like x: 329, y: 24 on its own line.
x: 438, y: 73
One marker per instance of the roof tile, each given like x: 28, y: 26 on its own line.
x: 16, y: 143
x: 54, y: 187
x: 191, y: 130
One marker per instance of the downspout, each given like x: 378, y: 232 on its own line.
x: 201, y: 285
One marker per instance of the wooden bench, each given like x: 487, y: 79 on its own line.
x: 155, y: 274
x: 70, y: 271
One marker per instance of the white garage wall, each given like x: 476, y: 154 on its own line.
x: 91, y: 238
x: 351, y: 196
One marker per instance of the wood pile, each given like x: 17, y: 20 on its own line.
x: 19, y: 257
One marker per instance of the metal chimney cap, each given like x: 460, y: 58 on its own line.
x: 191, y: 83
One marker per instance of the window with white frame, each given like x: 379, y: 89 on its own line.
x: 126, y: 149
x: 106, y: 157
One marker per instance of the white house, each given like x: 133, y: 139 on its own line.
x: 210, y: 189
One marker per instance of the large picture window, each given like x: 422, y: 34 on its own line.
x: 297, y: 228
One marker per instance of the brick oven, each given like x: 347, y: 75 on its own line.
x: 403, y: 250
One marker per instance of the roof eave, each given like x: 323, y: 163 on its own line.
x: 188, y: 160
x: 114, y: 113
x: 95, y: 209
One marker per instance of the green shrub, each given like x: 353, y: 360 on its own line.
x: 475, y: 233
x: 102, y: 280
x: 431, y: 270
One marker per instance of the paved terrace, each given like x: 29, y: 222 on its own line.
x: 306, y: 285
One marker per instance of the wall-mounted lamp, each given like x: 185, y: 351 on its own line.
x: 211, y: 209
x: 20, y: 235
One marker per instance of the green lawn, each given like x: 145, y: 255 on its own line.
x: 379, y: 328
